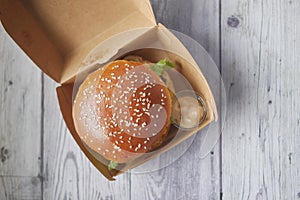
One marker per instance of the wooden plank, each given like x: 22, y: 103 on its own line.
x: 189, y: 177
x: 67, y: 172
x: 20, y: 188
x: 260, y: 65
x: 20, y: 122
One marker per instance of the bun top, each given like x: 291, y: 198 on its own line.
x: 122, y: 110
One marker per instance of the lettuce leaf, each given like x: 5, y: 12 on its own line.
x: 112, y: 165
x: 162, y: 66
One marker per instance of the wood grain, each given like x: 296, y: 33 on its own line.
x: 67, y: 172
x: 260, y: 55
x: 20, y: 122
x: 189, y: 177
x: 260, y: 64
x: 18, y: 187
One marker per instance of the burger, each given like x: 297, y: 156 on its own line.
x: 123, y: 110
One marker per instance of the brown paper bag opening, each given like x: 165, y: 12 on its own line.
x: 152, y: 37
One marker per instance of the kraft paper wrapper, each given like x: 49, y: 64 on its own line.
x: 58, y: 35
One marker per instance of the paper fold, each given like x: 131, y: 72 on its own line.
x: 56, y: 35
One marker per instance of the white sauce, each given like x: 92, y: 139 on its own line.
x: 188, y: 113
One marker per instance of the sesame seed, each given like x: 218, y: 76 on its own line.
x: 116, y: 147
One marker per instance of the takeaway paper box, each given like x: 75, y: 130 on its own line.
x: 59, y: 35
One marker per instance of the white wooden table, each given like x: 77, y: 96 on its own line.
x: 256, y: 45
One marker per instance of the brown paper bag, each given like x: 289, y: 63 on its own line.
x: 59, y: 37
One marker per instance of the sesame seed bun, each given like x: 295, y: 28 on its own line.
x: 122, y: 110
